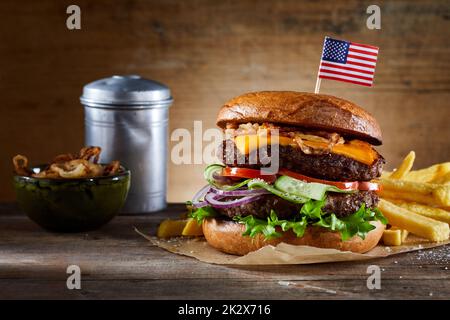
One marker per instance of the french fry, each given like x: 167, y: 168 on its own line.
x: 405, y: 234
x: 405, y: 166
x: 443, y: 179
x: 386, y: 174
x: 430, y: 174
x: 192, y: 228
x: 419, y: 225
x: 428, y: 193
x: 427, y: 211
x: 403, y: 231
x: 171, y: 228
x: 392, y: 237
x: 405, y: 196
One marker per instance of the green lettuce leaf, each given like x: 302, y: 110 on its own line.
x: 311, y: 214
x: 258, y: 183
x: 253, y: 225
x: 202, y: 213
x: 311, y: 190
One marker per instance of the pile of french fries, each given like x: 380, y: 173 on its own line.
x: 180, y: 227
x: 416, y: 202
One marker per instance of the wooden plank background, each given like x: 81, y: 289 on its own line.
x: 210, y: 51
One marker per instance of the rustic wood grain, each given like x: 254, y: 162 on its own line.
x: 210, y: 51
x: 118, y: 263
x: 223, y: 289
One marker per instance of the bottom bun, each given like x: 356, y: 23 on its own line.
x: 226, y: 236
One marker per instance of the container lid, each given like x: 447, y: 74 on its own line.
x: 129, y: 90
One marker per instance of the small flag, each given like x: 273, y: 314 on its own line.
x: 348, y: 62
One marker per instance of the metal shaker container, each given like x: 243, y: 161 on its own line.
x: 127, y: 116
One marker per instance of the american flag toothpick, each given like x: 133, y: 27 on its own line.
x: 347, y: 61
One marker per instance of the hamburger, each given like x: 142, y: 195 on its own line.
x: 297, y: 168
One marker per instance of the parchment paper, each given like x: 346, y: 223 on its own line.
x: 283, y: 253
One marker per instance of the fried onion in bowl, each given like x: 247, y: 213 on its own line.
x: 69, y: 166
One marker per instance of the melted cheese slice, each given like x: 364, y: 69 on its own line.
x: 358, y: 150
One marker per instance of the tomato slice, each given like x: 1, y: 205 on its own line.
x: 235, y: 172
x: 352, y: 185
x: 248, y: 174
x: 369, y: 186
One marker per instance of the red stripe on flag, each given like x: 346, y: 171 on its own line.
x: 346, y: 68
x: 347, y: 74
x: 363, y: 52
x: 360, y: 64
x: 363, y: 45
x: 345, y: 80
x: 361, y: 58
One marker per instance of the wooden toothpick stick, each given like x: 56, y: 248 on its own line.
x: 316, y: 90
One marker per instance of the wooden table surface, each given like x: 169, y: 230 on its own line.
x: 116, y: 262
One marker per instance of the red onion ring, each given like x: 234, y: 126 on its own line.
x: 237, y: 193
x: 200, y: 204
x: 199, y: 195
x: 212, y: 199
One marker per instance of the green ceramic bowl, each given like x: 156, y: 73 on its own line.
x: 72, y: 205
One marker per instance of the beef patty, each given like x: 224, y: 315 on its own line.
x: 328, y: 166
x: 341, y: 204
